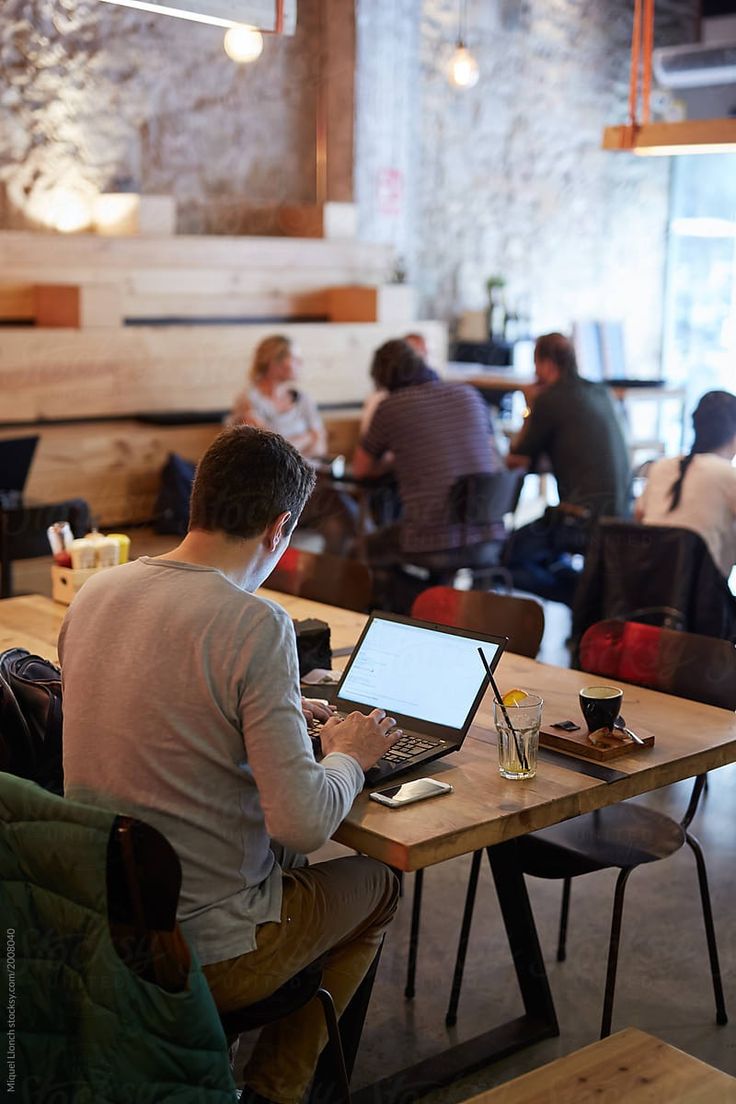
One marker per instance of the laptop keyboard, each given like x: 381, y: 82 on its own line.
x: 406, y: 747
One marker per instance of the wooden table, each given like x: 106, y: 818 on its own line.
x: 33, y: 621
x: 486, y: 810
x: 630, y: 1067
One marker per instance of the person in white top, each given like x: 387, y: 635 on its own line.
x: 272, y: 401
x: 698, y: 491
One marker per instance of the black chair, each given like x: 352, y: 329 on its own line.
x: 476, y: 499
x: 290, y: 997
x: 628, y: 835
x: 656, y: 573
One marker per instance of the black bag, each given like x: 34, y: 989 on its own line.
x: 171, y: 513
x: 312, y: 645
x: 31, y: 719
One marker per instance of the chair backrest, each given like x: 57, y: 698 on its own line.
x: 143, y: 883
x: 322, y: 578
x: 484, y: 497
x: 701, y: 668
x: 520, y: 619
x: 631, y: 567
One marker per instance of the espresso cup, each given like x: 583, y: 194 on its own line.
x: 601, y: 706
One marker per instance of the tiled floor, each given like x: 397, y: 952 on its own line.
x: 664, y: 985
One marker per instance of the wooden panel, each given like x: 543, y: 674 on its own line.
x: 277, y: 303
x: 82, y: 306
x: 115, y: 466
x: 53, y: 374
x: 630, y: 1067
x: 342, y: 434
x: 394, y: 303
x: 37, y: 252
x: 16, y: 302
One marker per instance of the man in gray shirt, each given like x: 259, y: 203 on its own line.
x: 182, y: 707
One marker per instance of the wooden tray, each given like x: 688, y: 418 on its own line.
x: 577, y: 743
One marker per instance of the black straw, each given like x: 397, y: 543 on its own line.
x: 519, y: 745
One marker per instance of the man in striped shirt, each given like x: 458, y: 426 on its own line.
x: 432, y: 433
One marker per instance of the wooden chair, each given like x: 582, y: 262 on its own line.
x: 627, y: 835
x: 322, y: 578
x: 520, y: 619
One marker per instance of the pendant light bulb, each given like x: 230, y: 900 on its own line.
x: 243, y: 43
x: 463, y: 68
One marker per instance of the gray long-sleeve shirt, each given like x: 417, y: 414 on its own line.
x: 182, y: 708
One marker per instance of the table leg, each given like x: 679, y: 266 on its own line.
x: 538, y: 1022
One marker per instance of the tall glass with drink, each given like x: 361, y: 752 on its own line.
x: 518, y: 716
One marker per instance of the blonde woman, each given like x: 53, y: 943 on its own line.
x: 273, y: 402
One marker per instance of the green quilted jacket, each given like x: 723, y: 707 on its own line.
x: 81, y: 1027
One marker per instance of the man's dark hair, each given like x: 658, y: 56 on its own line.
x: 560, y: 350
x: 396, y: 364
x: 246, y: 478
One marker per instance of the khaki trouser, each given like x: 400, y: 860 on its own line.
x: 340, y: 908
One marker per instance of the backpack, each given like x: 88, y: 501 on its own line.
x: 31, y: 719
x: 171, y: 513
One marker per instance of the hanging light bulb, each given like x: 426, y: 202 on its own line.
x: 463, y: 69
x: 243, y: 43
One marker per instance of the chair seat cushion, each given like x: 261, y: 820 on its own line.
x: 622, y: 835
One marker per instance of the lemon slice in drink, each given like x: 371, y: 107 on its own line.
x: 514, y: 697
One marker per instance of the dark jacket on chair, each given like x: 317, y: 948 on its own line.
x: 632, y: 571
x: 86, y: 1027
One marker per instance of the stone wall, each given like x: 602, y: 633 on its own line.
x: 95, y: 98
x: 505, y: 178
x: 509, y: 178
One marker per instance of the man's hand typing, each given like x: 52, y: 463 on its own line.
x: 365, y: 738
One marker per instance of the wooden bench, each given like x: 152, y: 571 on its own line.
x: 630, y: 1067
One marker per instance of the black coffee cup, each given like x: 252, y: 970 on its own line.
x: 601, y: 706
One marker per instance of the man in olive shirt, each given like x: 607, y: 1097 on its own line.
x: 574, y: 424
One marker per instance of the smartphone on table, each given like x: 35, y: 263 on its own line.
x: 408, y: 792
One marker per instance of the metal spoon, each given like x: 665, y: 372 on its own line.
x: 621, y: 724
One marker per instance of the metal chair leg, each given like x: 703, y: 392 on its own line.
x: 462, y: 947
x: 710, y: 932
x: 618, y: 909
x: 416, y: 915
x: 564, y: 913
x: 335, y: 1042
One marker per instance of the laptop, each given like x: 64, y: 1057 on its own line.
x: 16, y: 457
x: 428, y: 676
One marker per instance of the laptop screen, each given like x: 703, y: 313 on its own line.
x: 418, y: 671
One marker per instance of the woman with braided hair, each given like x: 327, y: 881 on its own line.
x: 698, y: 491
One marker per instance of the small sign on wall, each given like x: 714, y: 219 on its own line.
x: 390, y: 191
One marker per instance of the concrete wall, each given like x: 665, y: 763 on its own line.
x: 95, y: 97
x: 508, y: 177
